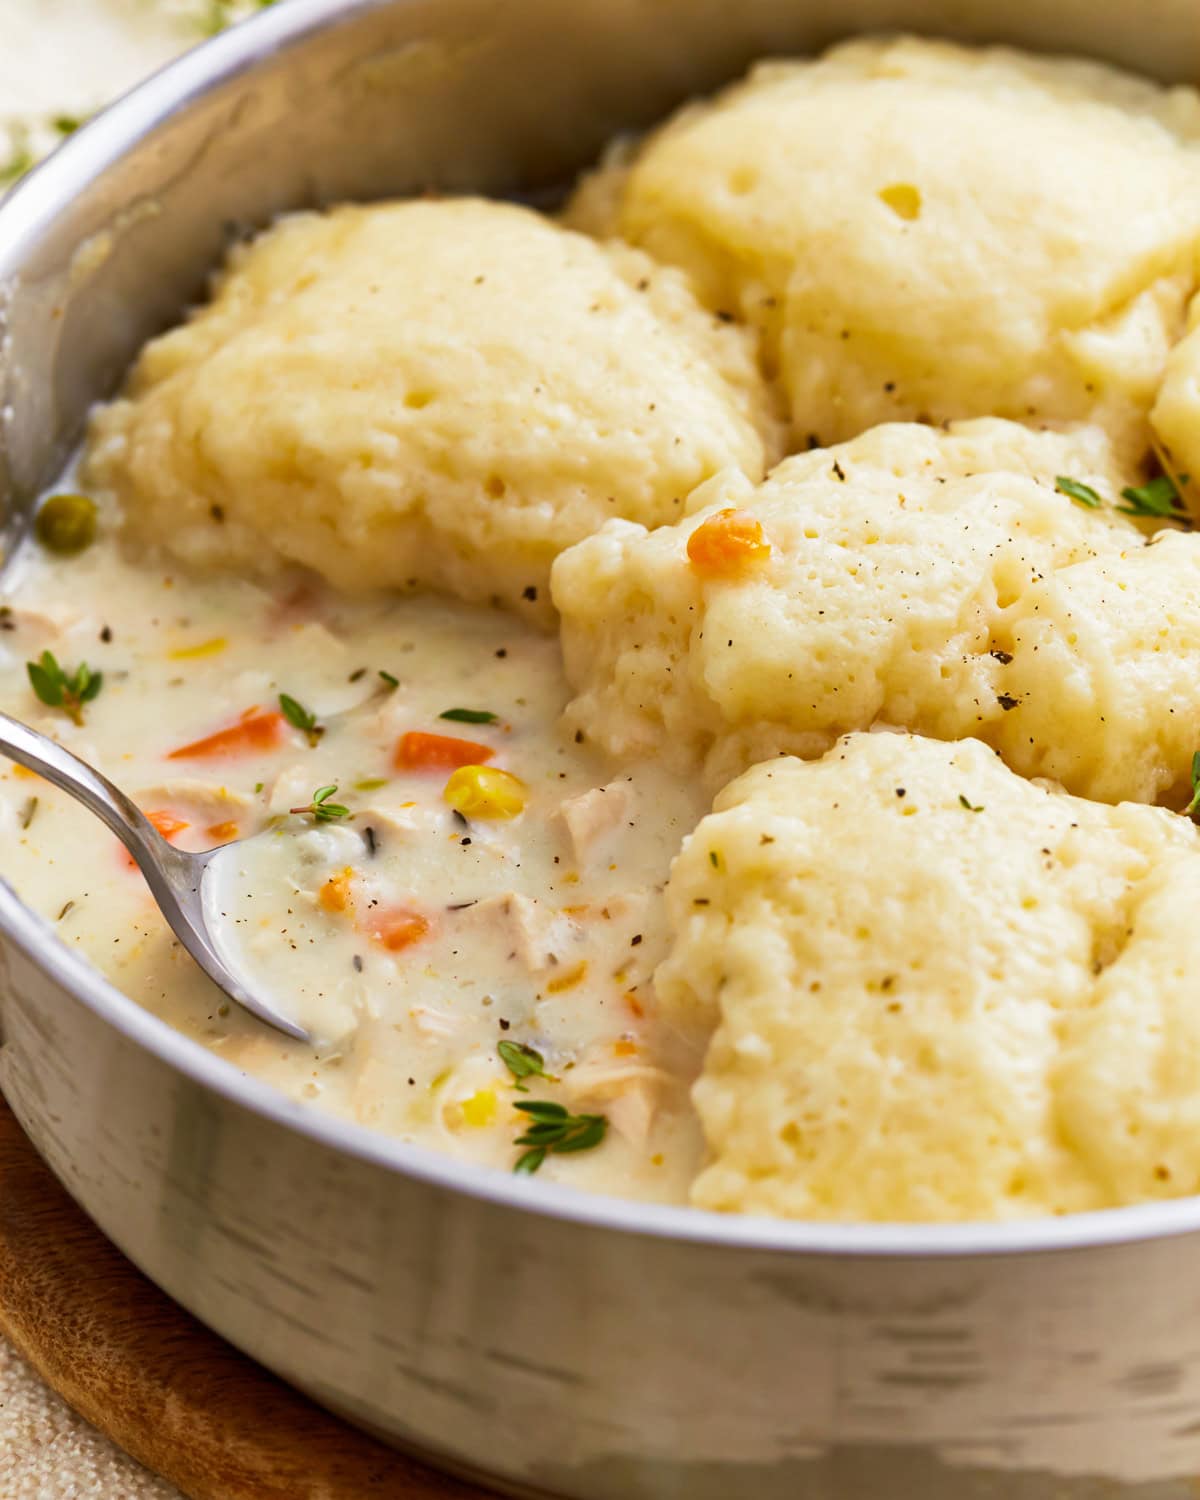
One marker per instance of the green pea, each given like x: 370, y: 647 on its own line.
x: 66, y: 523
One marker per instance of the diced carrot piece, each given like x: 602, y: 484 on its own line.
x: 397, y: 928
x: 727, y: 543
x: 257, y: 731
x: 417, y: 751
x: 334, y: 895
x: 222, y: 832
x: 569, y: 980
x: 625, y: 1048
x: 166, y: 823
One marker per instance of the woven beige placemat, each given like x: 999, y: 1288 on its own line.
x: 48, y: 1453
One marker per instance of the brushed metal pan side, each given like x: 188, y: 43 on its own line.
x: 595, y: 1361
x: 569, y: 1346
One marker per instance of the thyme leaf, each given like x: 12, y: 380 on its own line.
x: 61, y: 689
x: 522, y: 1062
x: 1159, y: 497
x: 301, y: 718
x: 469, y: 716
x: 1193, y: 807
x: 321, y: 808
x: 1082, y: 494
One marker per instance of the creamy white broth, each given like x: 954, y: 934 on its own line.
x: 543, y: 929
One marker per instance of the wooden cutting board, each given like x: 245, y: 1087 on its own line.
x: 158, y: 1383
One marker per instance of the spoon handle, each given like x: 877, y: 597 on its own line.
x: 174, y: 878
x: 36, y: 752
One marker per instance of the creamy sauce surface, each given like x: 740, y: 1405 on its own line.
x: 410, y: 939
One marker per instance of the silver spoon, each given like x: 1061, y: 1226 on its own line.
x: 175, y: 878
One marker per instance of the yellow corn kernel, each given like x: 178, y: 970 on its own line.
x: 194, y: 653
x: 485, y: 792
x: 480, y: 1108
x: 903, y: 199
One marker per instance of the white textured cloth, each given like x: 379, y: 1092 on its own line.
x: 49, y: 1453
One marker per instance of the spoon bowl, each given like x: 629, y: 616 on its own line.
x: 175, y: 877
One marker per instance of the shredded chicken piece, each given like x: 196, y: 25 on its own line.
x: 539, y: 936
x: 630, y: 1089
x: 593, y: 816
x: 293, y: 787
x: 207, y: 802
x: 435, y: 1023
x: 53, y: 620
x: 631, y: 1114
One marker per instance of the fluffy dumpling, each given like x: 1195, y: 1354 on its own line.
x: 443, y: 393
x: 936, y: 581
x: 939, y: 991
x: 1176, y: 412
x: 928, y: 231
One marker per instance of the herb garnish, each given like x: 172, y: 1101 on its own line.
x: 29, y: 812
x: 300, y: 718
x: 66, y: 690
x: 1193, y: 806
x: 1160, y: 497
x: 390, y: 682
x: 553, y: 1128
x: 1084, y: 494
x: 322, y: 809
x: 522, y: 1062
x: 967, y: 805
x: 469, y: 716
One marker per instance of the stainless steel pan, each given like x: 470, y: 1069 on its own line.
x: 558, y: 1344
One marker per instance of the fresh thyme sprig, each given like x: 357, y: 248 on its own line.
x: 301, y: 718
x: 321, y: 808
x: 553, y: 1128
x: 66, y: 690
